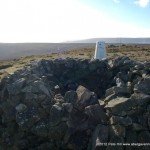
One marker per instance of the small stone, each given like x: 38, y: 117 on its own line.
x: 71, y: 97
x: 57, y: 89
x: 21, y: 107
x: 119, y: 82
x: 101, y: 103
x: 58, y: 98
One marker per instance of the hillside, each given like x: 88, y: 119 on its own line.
x: 17, y: 50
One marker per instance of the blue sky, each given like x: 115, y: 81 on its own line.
x: 132, y: 11
x: 67, y: 20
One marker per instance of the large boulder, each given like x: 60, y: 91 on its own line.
x: 85, y: 97
x: 120, y: 106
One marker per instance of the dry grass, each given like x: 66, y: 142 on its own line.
x: 136, y: 52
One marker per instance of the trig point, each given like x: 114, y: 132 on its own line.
x: 100, y: 50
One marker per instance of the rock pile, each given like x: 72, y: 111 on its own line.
x: 75, y: 104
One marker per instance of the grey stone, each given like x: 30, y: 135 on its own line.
x: 58, y: 98
x: 126, y: 121
x: 140, y: 98
x: 120, y: 106
x: 28, y: 118
x: 68, y: 107
x: 85, y: 97
x: 15, y: 87
x: 97, y: 113
x: 120, y: 91
x: 143, y: 86
x: 100, y: 136
x: 119, y: 82
x: 71, y: 97
x: 56, y: 114
x: 21, y: 107
x: 110, y: 97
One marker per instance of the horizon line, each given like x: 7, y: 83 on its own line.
x: 36, y: 42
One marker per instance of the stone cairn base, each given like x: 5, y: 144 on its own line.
x: 74, y: 104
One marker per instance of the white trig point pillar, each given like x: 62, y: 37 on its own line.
x: 100, y: 50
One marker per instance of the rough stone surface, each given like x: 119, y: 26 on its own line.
x: 74, y: 104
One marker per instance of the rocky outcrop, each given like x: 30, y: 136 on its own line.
x: 75, y: 104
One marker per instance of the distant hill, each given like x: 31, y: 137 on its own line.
x: 115, y: 40
x: 16, y: 50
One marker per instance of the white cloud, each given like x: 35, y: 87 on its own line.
x: 116, y: 1
x: 57, y: 20
x: 142, y: 3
